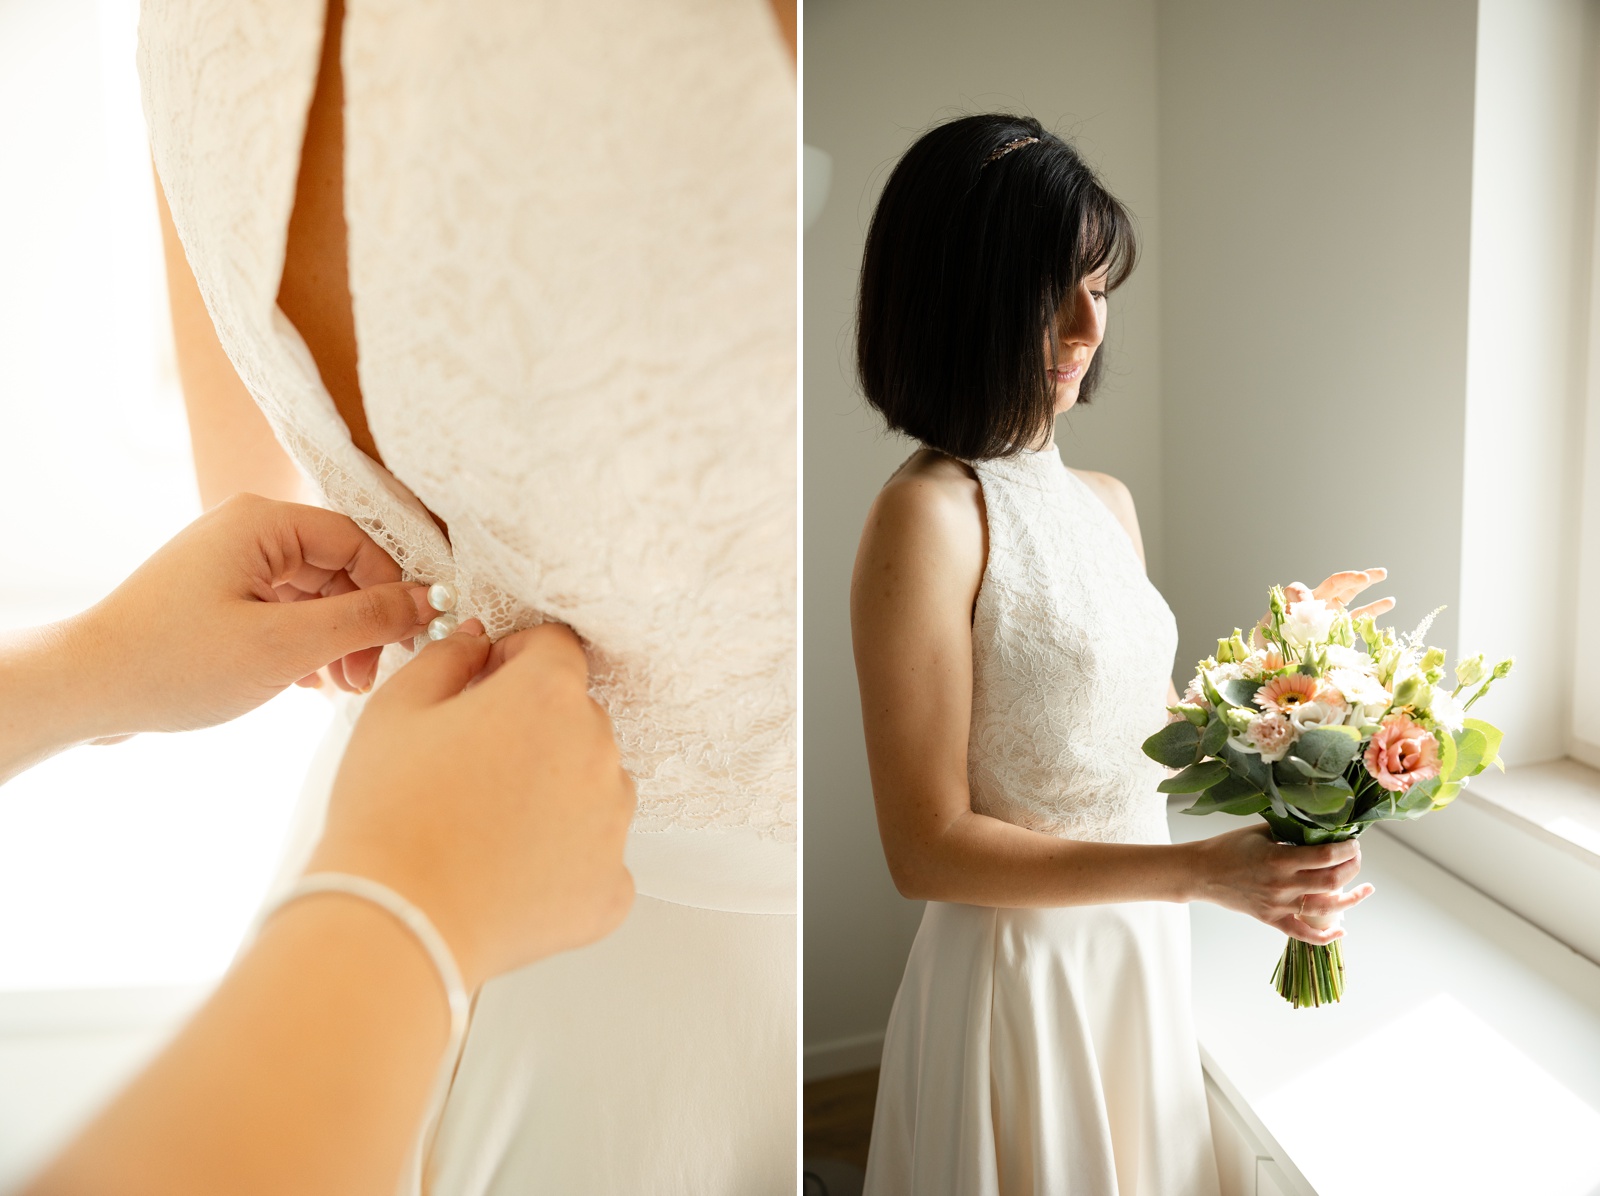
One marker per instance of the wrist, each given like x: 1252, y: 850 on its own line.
x: 364, y: 949
x: 1190, y: 872
x: 46, y: 700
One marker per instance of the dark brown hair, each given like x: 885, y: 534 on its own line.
x: 968, y: 258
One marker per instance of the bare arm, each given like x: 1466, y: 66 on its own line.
x: 917, y: 575
x: 234, y: 448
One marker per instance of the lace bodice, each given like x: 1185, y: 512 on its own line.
x: 572, y: 254
x: 1072, y: 648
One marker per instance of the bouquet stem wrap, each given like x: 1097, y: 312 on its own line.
x: 1309, y: 975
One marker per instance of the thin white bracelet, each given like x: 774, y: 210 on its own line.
x: 409, y: 916
x: 444, y: 962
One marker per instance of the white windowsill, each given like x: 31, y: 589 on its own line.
x: 1560, y: 796
x: 1464, y: 1058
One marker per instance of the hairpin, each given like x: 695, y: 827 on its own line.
x: 1008, y: 147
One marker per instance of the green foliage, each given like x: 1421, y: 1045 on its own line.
x: 1318, y: 799
x: 1243, y: 801
x: 1239, y: 693
x: 1216, y: 734
x: 1195, y: 777
x: 1176, y: 745
x: 1328, y: 749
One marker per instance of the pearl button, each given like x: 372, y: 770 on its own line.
x: 442, y: 597
x: 443, y: 627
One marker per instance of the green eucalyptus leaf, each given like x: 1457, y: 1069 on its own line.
x: 1195, y: 778
x: 1317, y: 797
x: 1248, y: 765
x: 1250, y: 802
x: 1239, y: 693
x: 1328, y: 749
x: 1292, y: 770
x: 1214, y: 736
x: 1175, y: 745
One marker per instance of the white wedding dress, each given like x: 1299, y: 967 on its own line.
x: 571, y: 230
x: 1051, y: 1052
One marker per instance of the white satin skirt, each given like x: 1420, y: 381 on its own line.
x: 1046, y: 1052
x: 660, y: 1061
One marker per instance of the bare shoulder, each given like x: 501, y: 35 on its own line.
x: 1119, y: 500
x: 927, y: 528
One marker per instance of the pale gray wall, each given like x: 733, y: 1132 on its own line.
x: 1316, y: 162
x: 878, y: 72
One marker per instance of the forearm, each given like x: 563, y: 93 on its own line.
x: 43, y: 706
x: 308, y: 1071
x: 978, y: 860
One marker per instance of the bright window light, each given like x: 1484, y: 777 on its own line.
x: 137, y: 864
x: 1439, y: 1101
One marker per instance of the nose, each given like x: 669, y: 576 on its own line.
x: 1081, y: 319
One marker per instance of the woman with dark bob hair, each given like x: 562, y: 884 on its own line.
x: 1012, y: 657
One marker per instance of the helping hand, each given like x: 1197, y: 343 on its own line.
x: 485, y: 785
x: 1339, y: 588
x: 249, y: 599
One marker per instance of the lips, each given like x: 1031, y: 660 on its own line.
x: 1066, y: 373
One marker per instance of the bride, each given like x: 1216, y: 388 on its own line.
x: 1012, y: 657
x: 512, y: 284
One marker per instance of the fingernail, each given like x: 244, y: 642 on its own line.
x: 472, y: 627
x: 419, y: 598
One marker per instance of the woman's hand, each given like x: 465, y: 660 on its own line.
x: 1339, y: 588
x: 1284, y: 886
x: 250, y: 598
x: 247, y: 600
x: 485, y: 785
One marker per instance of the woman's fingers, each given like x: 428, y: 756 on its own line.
x: 1292, y: 926
x: 1342, y: 587
x: 1323, y: 904
x: 1381, y: 607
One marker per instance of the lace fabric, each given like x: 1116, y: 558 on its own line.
x: 572, y: 267
x: 1072, y: 649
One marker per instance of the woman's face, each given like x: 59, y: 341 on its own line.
x: 1080, y: 326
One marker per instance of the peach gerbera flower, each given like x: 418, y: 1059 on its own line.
x: 1402, y: 753
x: 1282, y: 694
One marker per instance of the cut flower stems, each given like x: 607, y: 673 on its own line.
x: 1324, y: 724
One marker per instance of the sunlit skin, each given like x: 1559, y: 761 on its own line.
x: 916, y: 579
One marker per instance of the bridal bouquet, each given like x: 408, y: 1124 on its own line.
x: 1323, y: 738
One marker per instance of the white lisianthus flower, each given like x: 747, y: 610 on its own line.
x: 1309, y: 622
x: 1446, y: 711
x: 1317, y: 714
x: 1340, y: 657
x: 1231, y: 670
x: 1360, y: 688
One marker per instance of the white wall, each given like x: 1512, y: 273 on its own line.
x: 878, y: 72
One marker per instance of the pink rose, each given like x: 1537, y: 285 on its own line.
x: 1402, y: 753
